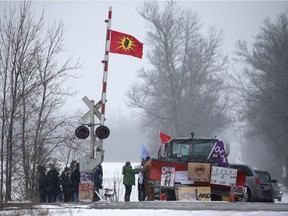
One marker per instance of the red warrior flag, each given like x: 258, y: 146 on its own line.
x: 125, y: 44
x: 164, y: 137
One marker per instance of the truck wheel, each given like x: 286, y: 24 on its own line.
x: 247, y: 196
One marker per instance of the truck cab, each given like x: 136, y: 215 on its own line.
x: 192, y: 150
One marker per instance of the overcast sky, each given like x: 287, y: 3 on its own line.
x: 86, y: 32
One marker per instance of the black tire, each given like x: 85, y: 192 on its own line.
x: 250, y: 198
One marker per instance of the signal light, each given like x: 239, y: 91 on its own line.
x: 102, y: 132
x: 82, y: 132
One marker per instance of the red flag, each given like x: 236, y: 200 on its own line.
x: 164, y: 137
x: 125, y: 44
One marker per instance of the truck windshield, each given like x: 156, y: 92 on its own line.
x: 198, y: 149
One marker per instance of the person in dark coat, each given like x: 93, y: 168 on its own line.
x: 75, y: 179
x: 53, y: 184
x: 72, y: 167
x: 128, y: 179
x: 98, y: 180
x: 65, y: 181
x: 43, y: 184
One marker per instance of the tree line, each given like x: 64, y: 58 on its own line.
x: 31, y: 95
x: 192, y: 86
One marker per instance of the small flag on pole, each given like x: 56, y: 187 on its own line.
x: 122, y: 43
x: 164, y: 137
x: 144, y: 152
x: 219, y: 150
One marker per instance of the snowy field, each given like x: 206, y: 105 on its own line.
x: 111, y: 174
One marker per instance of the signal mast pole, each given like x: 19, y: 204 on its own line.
x: 105, y: 72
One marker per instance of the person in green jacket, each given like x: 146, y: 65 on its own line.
x: 128, y: 179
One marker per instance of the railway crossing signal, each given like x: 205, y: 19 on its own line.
x: 102, y: 132
x: 82, y: 132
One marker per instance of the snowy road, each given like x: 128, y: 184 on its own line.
x: 223, y: 206
x: 160, y: 205
x: 219, y: 206
x: 159, y: 208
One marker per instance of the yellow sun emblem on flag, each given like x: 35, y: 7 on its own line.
x: 126, y: 44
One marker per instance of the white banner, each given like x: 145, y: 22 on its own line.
x: 182, y: 177
x: 223, y: 176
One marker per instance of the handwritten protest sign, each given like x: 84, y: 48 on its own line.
x: 167, y: 176
x: 223, y: 176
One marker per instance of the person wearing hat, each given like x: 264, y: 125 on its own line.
x: 149, y: 189
x: 128, y: 179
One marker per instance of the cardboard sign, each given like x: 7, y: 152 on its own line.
x: 193, y: 194
x: 182, y: 177
x: 167, y: 176
x: 223, y: 176
x: 86, y: 191
x: 199, y: 172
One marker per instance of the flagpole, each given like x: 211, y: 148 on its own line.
x: 105, y: 72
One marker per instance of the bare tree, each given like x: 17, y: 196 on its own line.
x: 264, y: 89
x: 185, y: 90
x: 32, y: 95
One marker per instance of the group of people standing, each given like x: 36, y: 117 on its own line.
x: 145, y: 190
x: 55, y: 187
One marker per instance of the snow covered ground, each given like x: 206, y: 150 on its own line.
x: 112, y: 172
x: 140, y: 212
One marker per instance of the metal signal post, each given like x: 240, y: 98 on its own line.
x: 105, y: 72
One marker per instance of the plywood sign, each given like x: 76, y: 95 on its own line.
x: 193, y: 194
x: 199, y: 172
